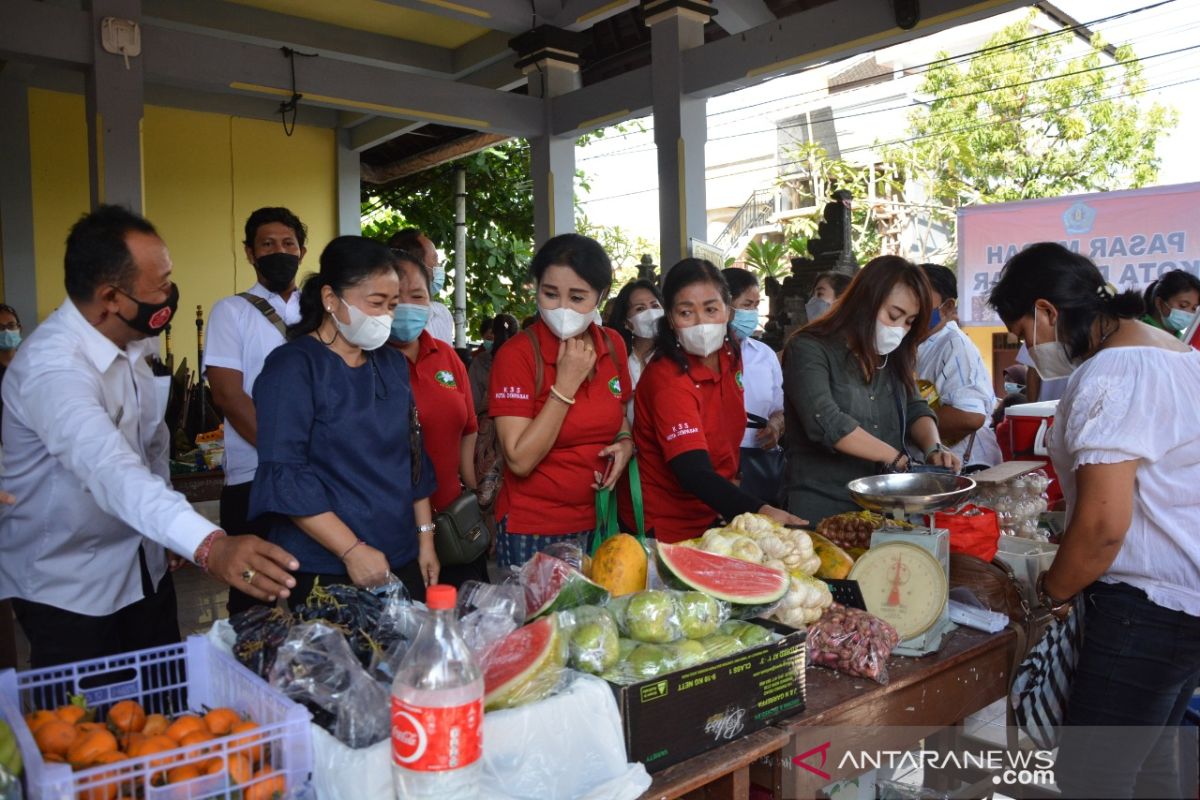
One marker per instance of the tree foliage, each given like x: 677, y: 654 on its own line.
x: 1028, y: 119
x: 499, y: 225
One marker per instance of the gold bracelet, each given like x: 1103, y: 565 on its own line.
x: 562, y: 398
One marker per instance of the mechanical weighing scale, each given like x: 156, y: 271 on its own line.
x: 905, y: 575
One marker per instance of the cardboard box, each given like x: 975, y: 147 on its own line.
x: 679, y: 715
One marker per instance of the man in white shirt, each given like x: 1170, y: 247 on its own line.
x: 85, y: 454
x: 242, y: 331
x: 420, y: 247
x: 950, y: 361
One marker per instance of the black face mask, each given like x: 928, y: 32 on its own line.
x: 277, y: 271
x: 151, y: 318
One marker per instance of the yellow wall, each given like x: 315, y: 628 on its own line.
x: 204, y: 173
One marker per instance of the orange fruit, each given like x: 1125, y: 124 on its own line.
x: 152, y: 744
x: 55, y: 737
x: 70, y: 713
x: 88, y: 747
x: 156, y: 724
x: 246, y: 744
x: 213, y: 766
x: 182, y: 726
x: 53, y: 758
x: 184, y: 772
x: 196, y: 737
x: 127, y: 715
x: 130, y: 741
x: 221, y: 720
x: 108, y: 791
x: 39, y: 718
x: 90, y: 727
x: 240, y: 769
x: 271, y: 786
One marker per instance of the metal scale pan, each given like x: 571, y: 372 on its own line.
x: 904, y: 577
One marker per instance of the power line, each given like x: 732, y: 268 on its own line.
x: 919, y: 137
x: 920, y: 69
x: 919, y: 103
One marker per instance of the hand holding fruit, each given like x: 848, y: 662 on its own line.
x: 366, y: 566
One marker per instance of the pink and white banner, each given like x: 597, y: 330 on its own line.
x: 1133, y: 236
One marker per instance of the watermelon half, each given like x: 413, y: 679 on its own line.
x: 552, y: 584
x: 749, y: 588
x: 524, y: 666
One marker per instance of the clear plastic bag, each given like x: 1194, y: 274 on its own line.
x: 661, y: 616
x: 526, y: 666
x: 551, y: 585
x: 488, y: 612
x: 316, y: 667
x: 593, y: 638
x: 853, y: 642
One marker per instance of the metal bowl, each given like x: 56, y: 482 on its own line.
x: 911, y: 493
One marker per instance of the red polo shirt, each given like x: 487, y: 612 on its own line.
x: 447, y: 412
x: 557, y: 497
x: 676, y: 412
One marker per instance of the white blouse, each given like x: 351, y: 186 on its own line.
x: 1140, y: 403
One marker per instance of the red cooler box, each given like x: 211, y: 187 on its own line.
x: 1022, y: 437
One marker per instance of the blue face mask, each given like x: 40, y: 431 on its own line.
x: 408, y: 320
x: 488, y: 344
x: 1013, y: 388
x: 745, y: 320
x: 1178, y: 320
x: 439, y: 279
x: 935, y: 318
x: 9, y: 340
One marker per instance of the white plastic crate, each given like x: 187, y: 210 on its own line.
x: 170, y: 680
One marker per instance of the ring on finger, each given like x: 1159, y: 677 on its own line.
x: 248, y: 575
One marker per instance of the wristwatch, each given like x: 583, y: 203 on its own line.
x: 937, y: 448
x: 428, y: 527
x: 1052, y: 604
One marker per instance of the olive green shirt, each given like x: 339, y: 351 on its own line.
x: 825, y: 399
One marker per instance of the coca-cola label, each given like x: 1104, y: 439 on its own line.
x: 436, y: 739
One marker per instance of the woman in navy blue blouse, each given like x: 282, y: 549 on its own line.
x: 336, y: 470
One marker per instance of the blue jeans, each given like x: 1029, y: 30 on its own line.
x: 514, y: 549
x: 1138, y: 668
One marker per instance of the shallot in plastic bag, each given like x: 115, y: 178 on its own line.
x: 852, y: 641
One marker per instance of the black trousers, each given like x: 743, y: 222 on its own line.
x: 58, y: 636
x: 409, y: 575
x: 235, y: 508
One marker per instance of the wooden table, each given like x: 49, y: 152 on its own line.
x: 923, y: 696
x: 720, y: 774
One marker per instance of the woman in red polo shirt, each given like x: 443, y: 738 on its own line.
x: 443, y: 397
x: 690, y: 413
x: 558, y: 395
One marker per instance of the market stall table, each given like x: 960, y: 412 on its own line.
x: 924, y: 696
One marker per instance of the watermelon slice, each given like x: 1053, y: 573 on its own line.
x: 524, y: 666
x: 748, y: 588
x: 552, y: 584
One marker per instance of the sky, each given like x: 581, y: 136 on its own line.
x: 622, y: 170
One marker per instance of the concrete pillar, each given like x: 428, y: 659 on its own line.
x: 549, y: 57
x: 680, y: 127
x: 349, y: 186
x: 114, y: 113
x: 460, y: 256
x: 16, y: 196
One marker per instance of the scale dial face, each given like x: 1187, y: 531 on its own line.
x: 902, y: 584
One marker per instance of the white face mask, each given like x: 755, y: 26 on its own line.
x: 364, y: 330
x: 703, y: 339
x: 645, y: 323
x: 566, y: 323
x: 887, y: 337
x: 1050, y: 359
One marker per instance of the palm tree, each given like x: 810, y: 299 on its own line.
x: 766, y: 259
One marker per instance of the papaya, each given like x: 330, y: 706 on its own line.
x: 856, y: 552
x: 835, y: 562
x: 619, y: 565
